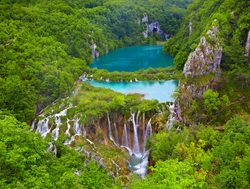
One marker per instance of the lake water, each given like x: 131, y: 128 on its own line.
x: 159, y: 90
x: 133, y: 58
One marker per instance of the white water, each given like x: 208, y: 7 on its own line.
x: 125, y: 137
x: 139, y: 156
x: 147, y: 133
x: 109, y: 128
x: 136, y: 148
x: 171, y: 118
x: 77, y: 127
x: 68, y: 128
x: 43, y: 125
x: 116, y: 133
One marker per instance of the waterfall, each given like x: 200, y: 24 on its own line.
x: 52, y: 148
x: 55, y: 132
x: 33, y: 125
x: 136, y: 149
x: 77, y: 127
x: 68, y: 128
x: 125, y: 139
x: 116, y: 133
x: 147, y: 133
x: 137, y: 118
x: 42, y: 127
x: 125, y: 136
x: 170, y: 122
x: 45, y: 128
x: 109, y: 128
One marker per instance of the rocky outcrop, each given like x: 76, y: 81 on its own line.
x: 202, y: 72
x: 247, y: 48
x: 153, y: 27
x: 206, y: 58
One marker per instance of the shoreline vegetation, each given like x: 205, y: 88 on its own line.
x: 168, y: 73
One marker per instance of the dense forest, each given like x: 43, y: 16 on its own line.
x: 45, y: 46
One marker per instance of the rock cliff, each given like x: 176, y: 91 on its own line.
x: 202, y: 72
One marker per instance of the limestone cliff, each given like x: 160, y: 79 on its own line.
x: 202, y: 72
x: 247, y: 49
x: 153, y: 27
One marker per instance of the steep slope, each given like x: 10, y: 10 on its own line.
x: 228, y: 22
x: 44, y: 45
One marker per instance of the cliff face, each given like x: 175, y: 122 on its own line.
x: 153, y: 27
x: 247, y: 49
x: 202, y: 72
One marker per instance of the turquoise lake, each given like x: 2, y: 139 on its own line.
x: 133, y: 58
x: 159, y: 90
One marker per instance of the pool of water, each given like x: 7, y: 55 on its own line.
x: 159, y: 90
x: 133, y: 58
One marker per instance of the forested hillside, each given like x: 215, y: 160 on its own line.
x: 57, y: 131
x: 46, y: 44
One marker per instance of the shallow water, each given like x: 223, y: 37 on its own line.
x: 159, y: 90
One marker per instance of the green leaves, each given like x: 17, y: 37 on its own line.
x: 26, y: 163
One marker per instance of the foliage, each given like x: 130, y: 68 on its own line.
x: 141, y: 75
x: 233, y: 18
x: 217, y: 160
x: 44, y: 45
x: 26, y: 163
x: 172, y: 174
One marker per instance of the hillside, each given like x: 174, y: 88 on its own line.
x: 58, y: 131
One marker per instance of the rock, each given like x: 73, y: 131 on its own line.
x: 202, y: 72
x: 154, y: 27
x: 247, y: 48
x: 206, y: 58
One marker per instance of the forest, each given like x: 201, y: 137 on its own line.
x: 46, y: 46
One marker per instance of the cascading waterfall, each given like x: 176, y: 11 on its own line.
x: 68, y: 128
x: 125, y: 140
x: 133, y: 138
x: 171, y: 118
x: 136, y: 148
x: 109, y: 128
x: 43, y: 126
x: 139, y: 161
x: 147, y: 133
x: 77, y: 127
x: 116, y: 133
x: 55, y: 132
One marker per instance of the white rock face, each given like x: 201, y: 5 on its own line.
x: 153, y: 27
x: 247, y: 47
x: 204, y: 62
x: 207, y: 56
